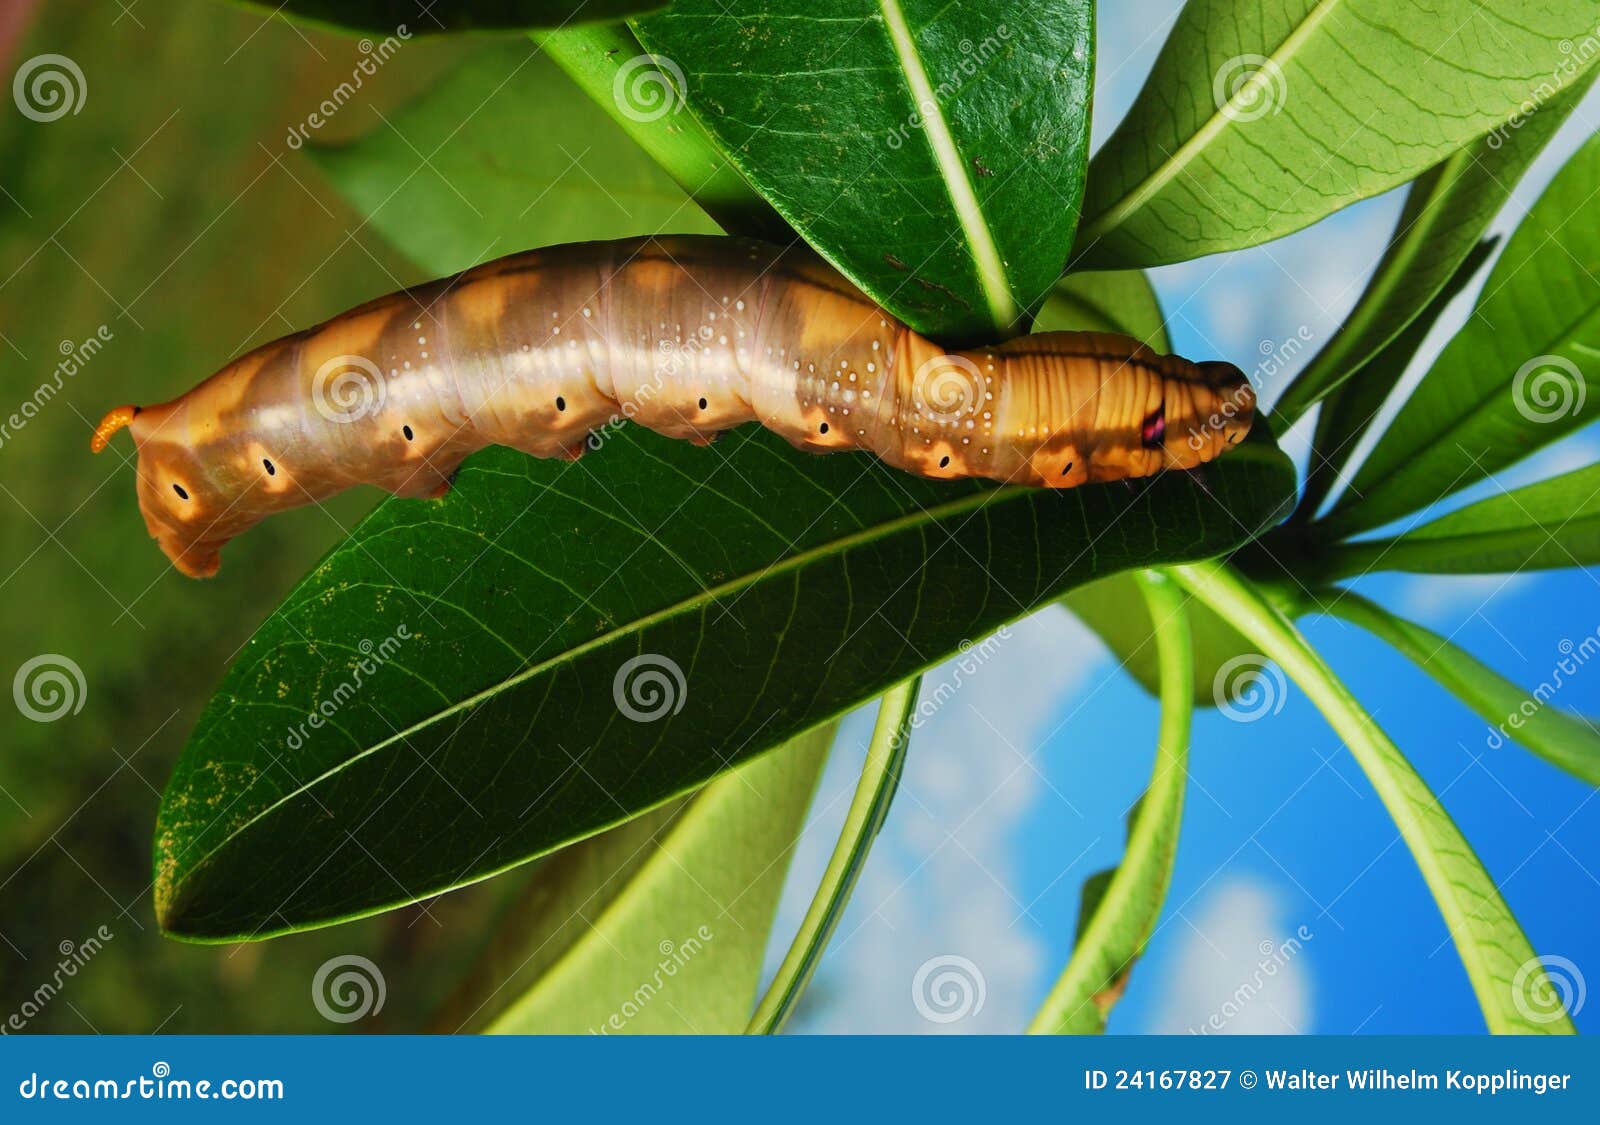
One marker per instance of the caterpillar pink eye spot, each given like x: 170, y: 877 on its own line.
x: 1053, y: 410
x: 1154, y: 430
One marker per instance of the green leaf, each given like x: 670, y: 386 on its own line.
x: 1120, y: 908
x: 516, y: 157
x: 678, y: 948
x: 1260, y: 119
x: 1544, y: 526
x: 1121, y: 301
x: 604, y: 60
x: 1445, y: 214
x: 1501, y: 965
x: 1567, y: 741
x: 563, y: 895
x: 419, y: 17
x: 1115, y: 607
x: 934, y: 154
x: 1514, y: 379
x: 880, y: 777
x: 499, y: 727
x: 1350, y: 408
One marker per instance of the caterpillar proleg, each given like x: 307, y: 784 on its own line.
x: 686, y: 335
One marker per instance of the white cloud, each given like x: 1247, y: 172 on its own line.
x: 1241, y: 968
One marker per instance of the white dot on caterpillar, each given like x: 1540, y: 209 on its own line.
x: 415, y: 326
x: 875, y: 345
x: 587, y: 311
x: 737, y: 304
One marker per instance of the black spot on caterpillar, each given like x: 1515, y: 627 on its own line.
x: 686, y: 335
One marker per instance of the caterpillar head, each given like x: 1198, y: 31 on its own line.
x: 187, y: 512
x: 1225, y: 407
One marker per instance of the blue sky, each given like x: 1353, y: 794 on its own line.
x: 1017, y: 789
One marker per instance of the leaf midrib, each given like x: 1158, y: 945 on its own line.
x: 991, y: 269
x: 1169, y: 169
x: 923, y: 516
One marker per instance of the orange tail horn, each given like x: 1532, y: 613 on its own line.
x: 115, y: 419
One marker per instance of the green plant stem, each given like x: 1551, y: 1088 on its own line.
x: 1488, y: 938
x: 1567, y: 741
x: 1126, y: 915
x: 880, y: 777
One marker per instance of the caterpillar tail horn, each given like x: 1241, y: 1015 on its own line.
x: 118, y: 417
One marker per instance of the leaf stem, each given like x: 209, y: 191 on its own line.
x: 1126, y: 915
x: 1505, y: 974
x: 880, y: 778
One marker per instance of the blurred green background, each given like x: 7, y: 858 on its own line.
x: 171, y: 211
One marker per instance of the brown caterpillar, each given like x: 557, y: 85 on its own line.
x: 685, y: 335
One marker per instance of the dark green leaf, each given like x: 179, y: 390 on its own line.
x: 1121, y: 906
x: 1445, y: 215
x: 504, y: 155
x: 1567, y: 741
x: 1552, y: 524
x: 1514, y: 379
x: 419, y: 17
x: 1260, y: 119
x: 933, y: 152
x: 768, y: 590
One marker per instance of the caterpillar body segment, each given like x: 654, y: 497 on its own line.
x: 686, y: 335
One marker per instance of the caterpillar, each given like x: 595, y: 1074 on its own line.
x: 686, y: 335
